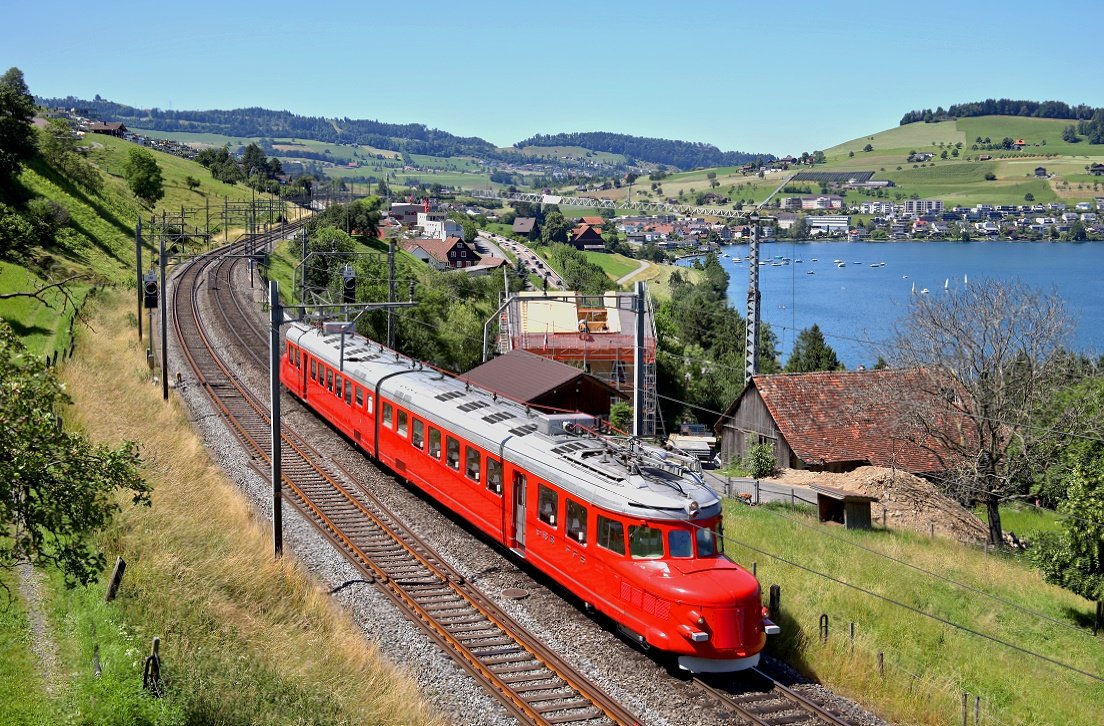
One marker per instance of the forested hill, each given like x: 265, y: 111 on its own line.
x: 679, y: 154
x: 1089, y: 120
x: 409, y: 138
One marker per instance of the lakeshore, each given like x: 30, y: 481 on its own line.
x: 857, y: 303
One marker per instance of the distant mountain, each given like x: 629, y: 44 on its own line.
x: 1090, y: 120
x: 408, y: 138
x: 679, y: 154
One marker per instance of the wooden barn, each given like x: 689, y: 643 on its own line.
x: 545, y: 383
x: 831, y: 421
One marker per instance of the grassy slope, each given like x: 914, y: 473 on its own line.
x: 103, y: 249
x: 928, y: 665
x: 23, y: 698
x: 245, y: 639
x: 958, y: 181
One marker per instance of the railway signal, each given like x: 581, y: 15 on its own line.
x: 150, y: 290
x: 348, y: 285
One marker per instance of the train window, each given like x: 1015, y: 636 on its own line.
x: 494, y: 475
x: 402, y: 423
x: 369, y: 406
x: 338, y: 381
x: 434, y: 443
x: 329, y: 379
x: 680, y: 543
x: 645, y: 543
x: 314, y: 369
x: 547, y: 505
x: 452, y: 453
x: 417, y: 435
x: 611, y: 535
x: 348, y: 392
x: 387, y: 415
x: 359, y: 396
x: 576, y: 521
x: 706, y: 545
x: 472, y: 463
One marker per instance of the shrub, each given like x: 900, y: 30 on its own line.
x: 759, y: 461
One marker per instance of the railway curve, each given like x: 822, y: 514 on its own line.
x: 529, y: 679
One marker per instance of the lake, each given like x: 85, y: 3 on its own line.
x: 857, y: 305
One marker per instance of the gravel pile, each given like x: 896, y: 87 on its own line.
x: 647, y: 686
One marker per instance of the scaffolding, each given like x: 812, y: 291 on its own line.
x: 593, y: 332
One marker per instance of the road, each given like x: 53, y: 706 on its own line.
x: 532, y: 262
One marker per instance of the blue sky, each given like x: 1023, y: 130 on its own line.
x: 772, y: 77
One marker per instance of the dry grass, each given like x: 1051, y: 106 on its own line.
x: 255, y: 636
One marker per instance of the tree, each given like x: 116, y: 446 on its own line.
x: 812, y: 353
x: 56, y: 488
x: 17, y: 136
x: 1069, y: 134
x: 555, y: 228
x: 868, y: 147
x: 1074, y: 557
x: 984, y: 358
x: 192, y: 183
x: 143, y: 176
x: 1029, y: 197
x: 621, y: 415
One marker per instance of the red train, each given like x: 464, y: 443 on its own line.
x: 630, y: 529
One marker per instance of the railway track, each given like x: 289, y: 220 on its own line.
x: 760, y: 699
x: 531, y: 681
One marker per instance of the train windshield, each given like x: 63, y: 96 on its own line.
x: 707, y: 545
x: 680, y: 543
x: 645, y: 542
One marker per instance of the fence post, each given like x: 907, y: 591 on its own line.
x: 754, y: 569
x: 1099, y: 624
x: 977, y: 710
x: 881, y: 664
x: 756, y: 491
x: 932, y: 529
x: 824, y: 627
x: 116, y: 578
x: 852, y: 628
x: 774, y: 604
x: 965, y: 699
x: 151, y: 674
x: 793, y: 498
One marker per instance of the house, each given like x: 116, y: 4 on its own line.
x: 828, y: 201
x: 111, y: 129
x: 1018, y: 144
x: 526, y: 227
x: 541, y: 382
x: 985, y: 157
x: 1096, y: 169
x: 586, y: 237
x: 922, y: 206
x: 1040, y: 171
x: 921, y: 156
x: 830, y: 421
x: 828, y: 224
x: 442, y: 254
x: 595, y: 222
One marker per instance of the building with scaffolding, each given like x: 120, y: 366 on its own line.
x: 596, y: 333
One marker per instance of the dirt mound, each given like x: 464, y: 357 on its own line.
x: 909, y: 501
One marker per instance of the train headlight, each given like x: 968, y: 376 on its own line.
x: 693, y: 508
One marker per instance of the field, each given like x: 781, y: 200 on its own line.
x: 928, y: 665
x: 962, y: 180
x: 616, y: 266
x: 570, y: 152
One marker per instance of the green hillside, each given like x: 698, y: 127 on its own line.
x: 97, y: 243
x: 962, y: 179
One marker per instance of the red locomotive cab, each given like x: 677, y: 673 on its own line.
x: 693, y: 601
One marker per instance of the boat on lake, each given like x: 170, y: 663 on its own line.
x: 841, y: 263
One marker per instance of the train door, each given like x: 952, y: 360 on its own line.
x: 519, y: 511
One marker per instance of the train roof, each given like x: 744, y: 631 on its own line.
x: 615, y: 473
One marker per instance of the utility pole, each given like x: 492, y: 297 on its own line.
x: 138, y: 269
x: 751, y: 361
x: 638, y: 365
x: 164, y: 324
x: 391, y: 293
x: 274, y: 396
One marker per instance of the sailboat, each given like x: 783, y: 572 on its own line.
x: 946, y: 284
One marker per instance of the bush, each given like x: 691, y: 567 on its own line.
x: 759, y: 461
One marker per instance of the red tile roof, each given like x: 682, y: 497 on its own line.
x: 843, y: 416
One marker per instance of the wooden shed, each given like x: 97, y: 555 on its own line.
x: 846, y: 508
